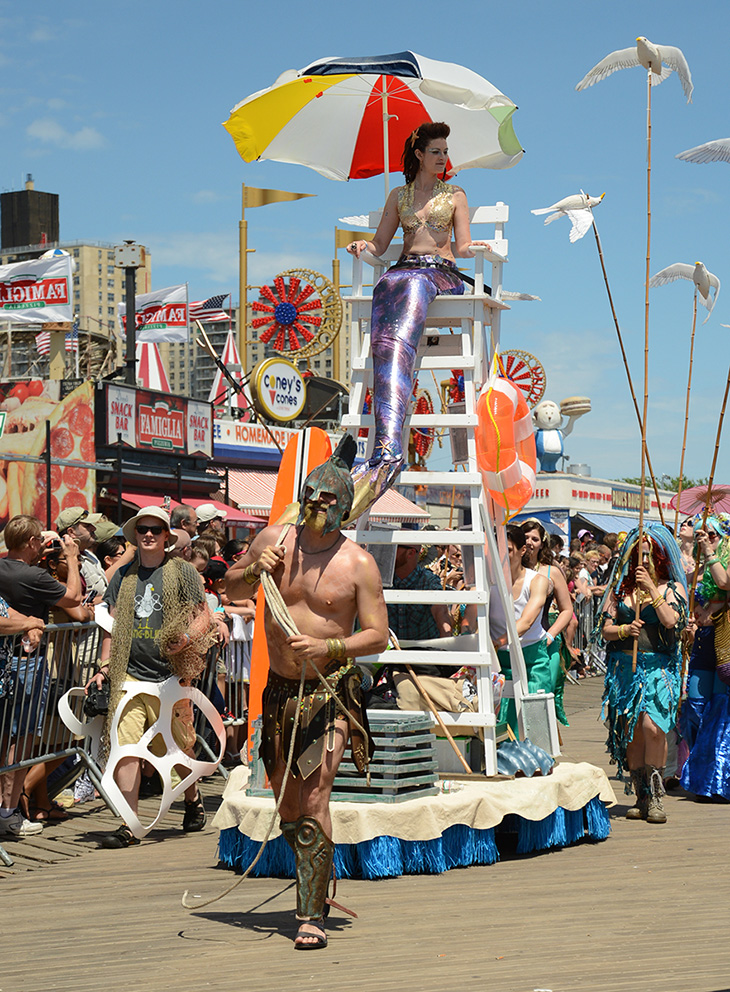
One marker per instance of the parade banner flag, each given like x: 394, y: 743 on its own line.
x: 36, y: 291
x: 161, y: 315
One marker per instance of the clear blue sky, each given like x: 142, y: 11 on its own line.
x: 118, y: 107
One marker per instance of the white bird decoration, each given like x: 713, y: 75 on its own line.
x: 577, y: 208
x: 712, y: 151
x: 698, y: 274
x: 661, y: 60
x: 508, y: 294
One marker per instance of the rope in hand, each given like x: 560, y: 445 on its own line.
x: 281, y: 614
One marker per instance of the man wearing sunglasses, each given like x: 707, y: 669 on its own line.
x: 149, y: 532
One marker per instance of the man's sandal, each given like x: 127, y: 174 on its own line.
x: 315, y: 941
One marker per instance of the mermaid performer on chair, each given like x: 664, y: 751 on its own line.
x: 428, y: 209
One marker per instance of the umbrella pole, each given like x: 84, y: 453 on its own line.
x: 386, y: 143
x: 686, y: 414
x: 626, y: 365
x: 646, y: 353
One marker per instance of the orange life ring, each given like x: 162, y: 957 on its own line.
x: 505, y: 445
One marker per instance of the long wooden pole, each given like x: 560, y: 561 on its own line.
x: 626, y: 366
x: 640, y: 543
x: 445, y: 730
x: 686, y: 415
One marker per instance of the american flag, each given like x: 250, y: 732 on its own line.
x: 208, y: 310
x: 43, y: 341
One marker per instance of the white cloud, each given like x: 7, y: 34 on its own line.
x: 50, y: 132
x: 42, y: 34
x: 208, y: 196
x: 213, y: 258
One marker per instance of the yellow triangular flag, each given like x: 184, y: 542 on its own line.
x: 253, y: 197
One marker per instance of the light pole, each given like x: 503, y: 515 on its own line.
x: 130, y: 257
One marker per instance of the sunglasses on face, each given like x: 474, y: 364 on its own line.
x: 155, y: 529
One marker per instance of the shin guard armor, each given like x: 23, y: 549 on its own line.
x: 314, y: 853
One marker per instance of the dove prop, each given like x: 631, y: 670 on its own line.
x: 703, y: 281
x: 660, y: 60
x: 712, y: 151
x: 577, y: 208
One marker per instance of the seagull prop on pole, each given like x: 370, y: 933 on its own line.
x: 703, y: 281
x: 712, y: 151
x: 579, y: 209
x: 659, y: 61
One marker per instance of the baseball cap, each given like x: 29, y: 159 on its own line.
x: 209, y: 511
x: 73, y: 515
x: 106, y: 528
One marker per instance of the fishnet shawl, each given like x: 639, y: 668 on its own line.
x: 184, y: 611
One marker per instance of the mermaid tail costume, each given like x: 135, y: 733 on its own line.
x: 400, y: 305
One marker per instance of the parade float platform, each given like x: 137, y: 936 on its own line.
x: 465, y: 824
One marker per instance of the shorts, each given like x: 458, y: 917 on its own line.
x: 142, y: 711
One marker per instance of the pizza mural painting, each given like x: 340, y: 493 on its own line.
x: 26, y: 407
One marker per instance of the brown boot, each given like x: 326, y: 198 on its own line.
x: 639, y: 809
x: 655, y: 778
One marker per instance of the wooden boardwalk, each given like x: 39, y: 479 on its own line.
x: 647, y: 910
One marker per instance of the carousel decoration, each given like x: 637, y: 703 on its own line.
x: 421, y: 439
x: 526, y: 372
x: 303, y: 314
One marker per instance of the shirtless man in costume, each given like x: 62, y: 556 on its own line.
x: 326, y: 581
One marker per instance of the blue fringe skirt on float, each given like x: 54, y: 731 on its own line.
x: 459, y: 846
x: 652, y: 689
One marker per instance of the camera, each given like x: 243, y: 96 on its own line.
x: 96, y: 702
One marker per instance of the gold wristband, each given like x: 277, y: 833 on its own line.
x: 622, y: 632
x: 335, y: 647
x: 249, y: 576
x: 659, y: 601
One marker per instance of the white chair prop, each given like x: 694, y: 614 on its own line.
x: 170, y: 693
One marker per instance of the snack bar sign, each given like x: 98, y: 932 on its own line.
x: 37, y: 291
x: 144, y: 419
x: 161, y: 423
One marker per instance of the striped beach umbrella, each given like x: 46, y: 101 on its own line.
x: 346, y: 117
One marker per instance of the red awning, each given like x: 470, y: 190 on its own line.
x: 253, y: 491
x: 233, y: 514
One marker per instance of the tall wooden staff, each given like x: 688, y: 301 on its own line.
x: 686, y: 415
x: 635, y: 650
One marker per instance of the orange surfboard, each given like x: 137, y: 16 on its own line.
x: 305, y: 451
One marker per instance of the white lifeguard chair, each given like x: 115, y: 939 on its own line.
x: 465, y: 333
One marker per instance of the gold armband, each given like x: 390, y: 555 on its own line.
x: 335, y: 647
x: 249, y: 576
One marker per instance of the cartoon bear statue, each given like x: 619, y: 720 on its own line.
x: 548, y: 419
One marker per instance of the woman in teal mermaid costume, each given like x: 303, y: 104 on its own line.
x: 428, y: 209
x: 641, y: 705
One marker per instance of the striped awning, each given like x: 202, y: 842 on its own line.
x: 253, y: 492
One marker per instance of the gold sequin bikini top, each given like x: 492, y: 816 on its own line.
x: 440, y: 213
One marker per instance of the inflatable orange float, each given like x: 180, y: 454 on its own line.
x: 505, y: 445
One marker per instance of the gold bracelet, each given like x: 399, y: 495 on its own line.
x: 335, y: 647
x: 659, y: 601
x: 249, y: 576
x: 622, y: 632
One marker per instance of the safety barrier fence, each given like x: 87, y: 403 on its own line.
x: 32, y: 680
x: 586, y: 613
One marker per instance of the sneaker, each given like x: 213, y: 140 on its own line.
x: 16, y: 825
x: 194, y: 818
x: 227, y: 717
x: 122, y: 837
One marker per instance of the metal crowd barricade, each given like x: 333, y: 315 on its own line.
x: 585, y: 612
x: 31, y: 730
x: 225, y: 682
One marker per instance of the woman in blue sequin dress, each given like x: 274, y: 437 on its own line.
x: 705, y: 716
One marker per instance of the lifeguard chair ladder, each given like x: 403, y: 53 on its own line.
x: 461, y: 332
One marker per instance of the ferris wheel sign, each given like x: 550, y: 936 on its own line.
x: 278, y: 389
